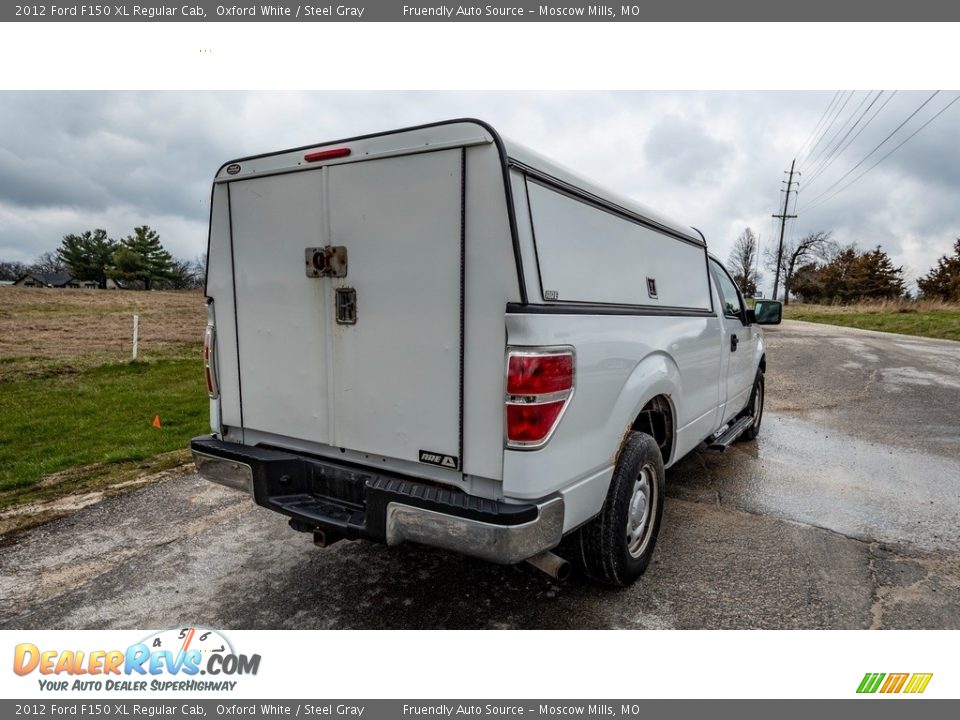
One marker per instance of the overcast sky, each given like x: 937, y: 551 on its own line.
x: 72, y: 161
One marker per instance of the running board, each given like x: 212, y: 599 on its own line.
x: 723, y: 441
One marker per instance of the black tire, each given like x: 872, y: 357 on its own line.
x: 604, y: 550
x: 755, y: 408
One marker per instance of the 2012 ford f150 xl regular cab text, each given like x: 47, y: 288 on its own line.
x: 438, y: 336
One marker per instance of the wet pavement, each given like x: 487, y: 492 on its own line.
x: 843, y: 514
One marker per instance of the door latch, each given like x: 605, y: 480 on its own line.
x: 733, y: 343
x: 346, y: 306
x: 329, y: 261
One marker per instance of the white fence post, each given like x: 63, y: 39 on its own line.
x: 136, y: 335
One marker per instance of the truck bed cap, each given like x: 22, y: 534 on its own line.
x: 521, y: 155
x: 448, y: 133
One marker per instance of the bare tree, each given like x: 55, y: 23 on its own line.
x: 815, y: 246
x: 742, y: 263
x: 48, y: 262
x: 12, y: 269
x: 200, y: 268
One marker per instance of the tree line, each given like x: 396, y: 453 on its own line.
x: 816, y: 269
x: 138, y: 261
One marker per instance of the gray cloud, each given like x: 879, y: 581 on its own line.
x: 682, y: 151
x: 71, y: 161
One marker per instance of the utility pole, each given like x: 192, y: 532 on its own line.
x: 783, y: 224
x: 756, y: 268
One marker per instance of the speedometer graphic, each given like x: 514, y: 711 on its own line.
x: 183, y: 639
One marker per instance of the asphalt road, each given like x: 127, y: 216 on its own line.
x: 845, y: 513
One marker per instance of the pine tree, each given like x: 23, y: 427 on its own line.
x: 88, y: 255
x: 142, y: 258
x: 850, y: 276
x: 943, y: 280
x: 837, y: 276
x: 875, y: 277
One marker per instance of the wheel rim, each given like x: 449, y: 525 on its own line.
x: 758, y: 406
x: 639, y: 511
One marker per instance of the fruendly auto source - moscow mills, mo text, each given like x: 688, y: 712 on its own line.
x: 137, y: 12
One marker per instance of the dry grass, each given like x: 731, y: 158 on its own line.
x: 924, y: 318
x: 877, y: 306
x: 52, y: 331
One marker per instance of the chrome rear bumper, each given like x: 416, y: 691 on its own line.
x: 352, y: 502
x: 229, y: 473
x: 504, y: 544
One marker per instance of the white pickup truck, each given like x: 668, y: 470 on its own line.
x: 438, y: 336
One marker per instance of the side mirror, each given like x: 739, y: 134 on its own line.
x: 766, y: 312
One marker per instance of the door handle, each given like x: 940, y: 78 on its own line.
x: 733, y: 343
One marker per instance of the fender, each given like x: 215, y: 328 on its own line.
x: 759, y: 356
x: 656, y: 374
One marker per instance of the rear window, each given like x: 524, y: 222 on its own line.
x: 590, y: 255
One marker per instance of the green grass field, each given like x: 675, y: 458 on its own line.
x: 75, y: 413
x: 932, y: 320
x: 96, y: 418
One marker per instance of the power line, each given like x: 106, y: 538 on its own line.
x: 851, y: 140
x: 827, y: 128
x: 904, y: 142
x: 831, y: 152
x: 829, y: 142
x: 817, y: 126
x: 865, y: 157
x: 807, y: 147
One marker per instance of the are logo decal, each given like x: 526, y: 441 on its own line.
x: 432, y: 458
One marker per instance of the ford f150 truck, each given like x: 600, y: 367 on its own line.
x: 438, y: 336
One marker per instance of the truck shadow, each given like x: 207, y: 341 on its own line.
x: 707, y: 572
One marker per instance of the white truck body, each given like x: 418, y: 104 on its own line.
x: 391, y: 358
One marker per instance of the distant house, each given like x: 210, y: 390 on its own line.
x: 53, y: 280
x: 36, y: 279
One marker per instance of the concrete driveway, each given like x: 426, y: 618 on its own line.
x: 843, y: 514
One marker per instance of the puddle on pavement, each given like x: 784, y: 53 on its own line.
x: 810, y: 473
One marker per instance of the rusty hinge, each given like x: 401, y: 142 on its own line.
x: 329, y: 261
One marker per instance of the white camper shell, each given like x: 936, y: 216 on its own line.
x: 436, y: 335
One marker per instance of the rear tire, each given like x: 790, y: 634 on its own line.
x: 616, y: 546
x: 755, y: 408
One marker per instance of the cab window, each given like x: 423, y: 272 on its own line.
x: 729, y: 295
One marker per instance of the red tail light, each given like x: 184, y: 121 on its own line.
x: 540, y: 383
x: 209, y: 361
x: 540, y: 374
x: 326, y: 154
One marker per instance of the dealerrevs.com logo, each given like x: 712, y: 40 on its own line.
x: 168, y: 660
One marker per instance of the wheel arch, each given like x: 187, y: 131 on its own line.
x: 648, y: 401
x: 657, y: 418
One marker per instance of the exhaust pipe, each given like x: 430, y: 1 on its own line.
x: 552, y: 564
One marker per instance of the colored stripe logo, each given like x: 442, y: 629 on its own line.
x: 913, y: 683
